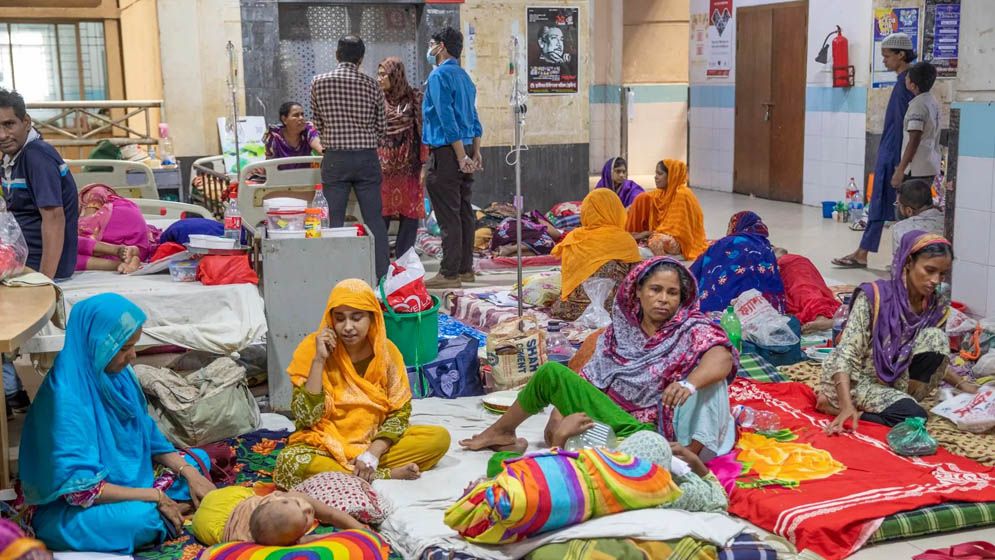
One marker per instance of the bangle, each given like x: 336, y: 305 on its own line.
x: 180, y: 471
x: 688, y: 385
x: 158, y: 498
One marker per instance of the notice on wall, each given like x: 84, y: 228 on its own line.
x: 886, y: 22
x: 250, y: 141
x: 719, y: 42
x: 940, y: 36
x: 552, y: 36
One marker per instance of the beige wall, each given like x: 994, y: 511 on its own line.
x: 192, y: 38
x: 655, y: 42
x: 140, y: 57
x: 552, y: 119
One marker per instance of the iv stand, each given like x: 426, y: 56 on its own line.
x: 233, y: 89
x: 519, y: 109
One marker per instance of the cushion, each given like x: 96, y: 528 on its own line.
x: 548, y: 491
x: 348, y: 493
x: 344, y: 545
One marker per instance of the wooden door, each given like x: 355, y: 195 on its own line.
x: 770, y: 100
x: 751, y: 158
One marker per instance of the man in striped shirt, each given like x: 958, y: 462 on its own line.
x: 348, y: 110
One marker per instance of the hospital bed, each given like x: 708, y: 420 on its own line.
x: 114, y: 173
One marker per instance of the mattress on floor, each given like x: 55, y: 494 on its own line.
x: 471, y: 307
x: 216, y: 319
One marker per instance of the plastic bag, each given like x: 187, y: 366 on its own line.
x: 403, y: 288
x: 542, y: 289
x: 762, y: 324
x: 985, y: 365
x: 971, y: 413
x: 13, y: 247
x: 219, y: 270
x: 596, y: 316
x: 910, y: 438
x: 959, y: 323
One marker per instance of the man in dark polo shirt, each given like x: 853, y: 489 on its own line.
x: 41, y: 194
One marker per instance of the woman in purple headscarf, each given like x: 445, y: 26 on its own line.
x: 615, y: 176
x: 893, y: 351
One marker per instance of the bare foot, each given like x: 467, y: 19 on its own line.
x: 520, y: 445
x: 407, y: 472
x: 823, y: 405
x: 818, y: 325
x: 130, y: 265
x: 128, y: 251
x: 552, y: 425
x: 489, y: 439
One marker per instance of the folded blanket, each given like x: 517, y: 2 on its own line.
x: 549, y: 491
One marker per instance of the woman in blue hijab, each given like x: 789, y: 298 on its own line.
x: 88, y: 444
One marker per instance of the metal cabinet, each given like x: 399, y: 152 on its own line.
x: 298, y: 275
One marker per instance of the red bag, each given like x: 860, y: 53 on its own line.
x: 223, y: 459
x: 403, y: 288
x: 977, y: 550
x: 167, y: 249
x: 217, y: 270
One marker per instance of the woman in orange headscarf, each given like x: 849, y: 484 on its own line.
x: 352, y: 400
x: 669, y: 216
x: 600, y: 248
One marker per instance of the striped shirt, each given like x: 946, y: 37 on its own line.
x: 348, y: 108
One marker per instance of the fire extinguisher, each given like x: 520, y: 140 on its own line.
x: 842, y: 71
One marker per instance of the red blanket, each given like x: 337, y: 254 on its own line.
x: 806, y: 291
x: 834, y: 516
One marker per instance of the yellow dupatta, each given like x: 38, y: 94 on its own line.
x: 355, y: 405
x: 674, y: 211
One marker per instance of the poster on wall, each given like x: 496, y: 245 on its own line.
x: 250, y: 141
x: 886, y: 22
x: 552, y: 37
x: 720, y: 30
x: 940, y: 36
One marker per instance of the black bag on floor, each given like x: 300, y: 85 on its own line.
x: 454, y: 373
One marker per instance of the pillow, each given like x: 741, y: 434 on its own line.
x: 348, y: 493
x: 548, y: 491
x: 344, y: 545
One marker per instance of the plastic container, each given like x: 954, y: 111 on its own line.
x: 285, y: 220
x: 212, y: 242
x: 759, y: 420
x: 416, y: 335
x: 284, y: 203
x: 733, y: 327
x: 285, y: 233
x: 348, y: 231
x: 601, y: 435
x: 183, y: 271
x: 558, y: 347
x: 312, y: 223
x: 827, y: 209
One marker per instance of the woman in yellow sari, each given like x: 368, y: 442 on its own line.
x: 599, y: 248
x: 352, y: 400
x: 669, y: 216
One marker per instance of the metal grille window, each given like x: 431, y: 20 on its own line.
x: 54, y: 61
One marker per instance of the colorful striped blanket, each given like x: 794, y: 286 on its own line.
x: 548, y: 491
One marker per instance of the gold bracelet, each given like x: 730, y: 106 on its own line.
x: 158, y: 500
x: 180, y: 472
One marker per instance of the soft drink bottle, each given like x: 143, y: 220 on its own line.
x: 733, y: 327
x: 233, y: 220
x: 851, y: 191
x: 321, y: 203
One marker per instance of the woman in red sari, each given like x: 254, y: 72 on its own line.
x: 401, y: 153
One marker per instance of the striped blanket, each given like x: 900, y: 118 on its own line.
x: 548, y: 491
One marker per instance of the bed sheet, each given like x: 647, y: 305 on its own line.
x: 216, y: 319
x: 417, y: 523
x: 471, y: 307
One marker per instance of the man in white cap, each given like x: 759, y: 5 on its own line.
x: 898, y: 54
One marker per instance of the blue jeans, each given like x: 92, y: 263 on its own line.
x: 11, y: 383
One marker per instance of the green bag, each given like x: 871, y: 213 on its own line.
x: 910, y: 438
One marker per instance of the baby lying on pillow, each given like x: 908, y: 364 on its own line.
x: 238, y: 513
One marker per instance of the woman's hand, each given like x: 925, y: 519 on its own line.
x: 676, y: 394
x: 170, y: 510
x: 838, y: 425
x: 324, y: 345
x: 199, y: 485
x: 690, y: 457
x: 366, y: 466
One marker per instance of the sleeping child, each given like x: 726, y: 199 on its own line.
x: 237, y: 513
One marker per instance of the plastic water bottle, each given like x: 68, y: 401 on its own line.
x: 759, y: 420
x: 558, y: 348
x: 839, y: 319
x: 233, y: 220
x: 852, y: 194
x: 733, y: 327
x: 601, y: 435
x: 321, y: 203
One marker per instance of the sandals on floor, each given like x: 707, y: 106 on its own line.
x: 848, y: 262
x: 858, y: 226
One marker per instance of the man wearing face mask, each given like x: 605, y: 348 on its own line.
x: 452, y: 130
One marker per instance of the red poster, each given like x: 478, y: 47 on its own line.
x: 720, y: 52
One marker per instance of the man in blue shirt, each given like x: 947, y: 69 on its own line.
x: 41, y: 194
x: 452, y: 130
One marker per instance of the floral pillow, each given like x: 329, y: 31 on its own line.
x: 348, y: 493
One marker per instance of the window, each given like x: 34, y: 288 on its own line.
x: 54, y: 61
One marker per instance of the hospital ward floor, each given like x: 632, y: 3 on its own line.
x: 800, y: 229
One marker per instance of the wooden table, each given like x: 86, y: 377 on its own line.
x: 23, y: 312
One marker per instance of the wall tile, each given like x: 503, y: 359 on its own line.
x: 724, y: 119
x: 970, y: 285
x: 990, y: 301
x: 834, y: 173
x: 855, y: 151
x: 834, y: 149
x: 813, y: 147
x: 857, y: 125
x: 855, y: 171
x: 991, y: 248
x: 975, y: 181
x: 969, y: 235
x: 813, y: 123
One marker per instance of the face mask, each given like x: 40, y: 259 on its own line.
x: 430, y: 57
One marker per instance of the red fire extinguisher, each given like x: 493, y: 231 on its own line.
x: 842, y: 71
